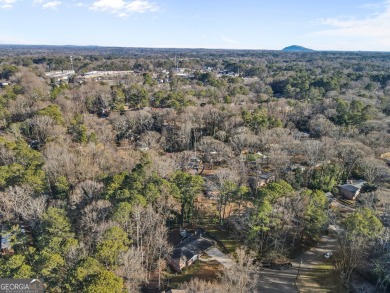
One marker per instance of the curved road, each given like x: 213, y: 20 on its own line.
x: 275, y: 281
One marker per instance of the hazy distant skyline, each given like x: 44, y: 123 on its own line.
x: 245, y: 24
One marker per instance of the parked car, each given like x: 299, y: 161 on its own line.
x: 279, y: 266
x: 328, y: 254
x: 285, y: 266
x: 266, y: 264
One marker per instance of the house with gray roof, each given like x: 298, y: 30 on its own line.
x: 352, y: 189
x: 188, y: 251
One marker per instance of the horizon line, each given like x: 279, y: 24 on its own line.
x: 201, y: 48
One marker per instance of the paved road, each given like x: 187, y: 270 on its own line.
x: 315, y: 255
x: 272, y: 281
x: 275, y: 281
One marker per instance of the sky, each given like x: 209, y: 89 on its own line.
x: 352, y: 25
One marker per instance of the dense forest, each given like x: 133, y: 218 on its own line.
x: 95, y: 173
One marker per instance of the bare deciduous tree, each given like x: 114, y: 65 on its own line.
x: 214, y: 151
x: 19, y: 201
x: 279, y: 160
x: 243, y: 276
x: 349, y: 154
x: 40, y: 128
x: 150, y: 235
x: 373, y: 169
x: 132, y: 270
x: 152, y: 139
x: 85, y: 192
x: 200, y: 286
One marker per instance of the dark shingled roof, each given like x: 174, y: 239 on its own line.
x: 349, y: 187
x: 174, y: 237
x: 354, y: 186
x: 266, y: 176
x: 191, y: 246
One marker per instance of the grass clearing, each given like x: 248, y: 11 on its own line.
x: 323, y: 278
x: 224, y: 236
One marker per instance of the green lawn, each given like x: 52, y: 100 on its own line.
x: 323, y: 278
x: 222, y: 235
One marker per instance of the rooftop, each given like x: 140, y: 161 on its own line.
x: 191, y: 246
x: 353, y: 185
x: 266, y: 176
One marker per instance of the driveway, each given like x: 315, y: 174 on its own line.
x: 220, y: 257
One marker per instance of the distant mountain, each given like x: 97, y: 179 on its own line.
x: 295, y: 48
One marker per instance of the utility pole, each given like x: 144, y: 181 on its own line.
x: 299, y: 268
x: 296, y: 279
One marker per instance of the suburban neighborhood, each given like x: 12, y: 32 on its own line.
x: 194, y: 170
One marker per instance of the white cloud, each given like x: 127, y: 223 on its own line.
x: 370, y: 33
x: 108, y: 5
x: 51, y: 4
x: 7, y: 3
x: 140, y: 6
x: 45, y: 4
x: 121, y: 8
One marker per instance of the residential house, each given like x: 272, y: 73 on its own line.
x: 193, y: 163
x: 189, y: 249
x: 264, y: 178
x: 9, y: 236
x: 352, y: 189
